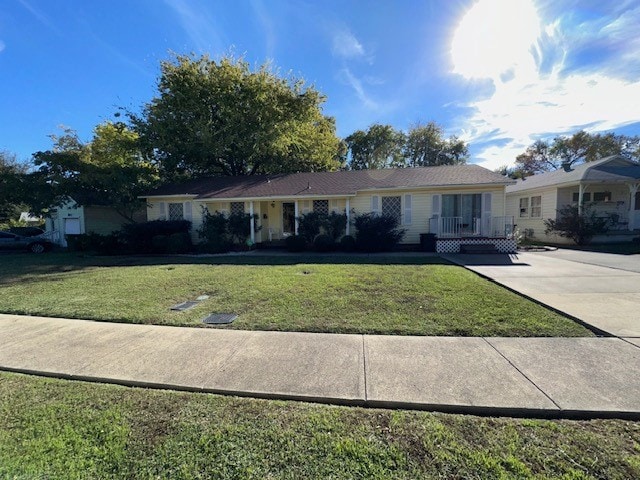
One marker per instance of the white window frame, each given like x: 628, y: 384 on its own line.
x: 408, y: 206
x: 393, y: 196
x: 524, y: 210
x: 376, y: 207
x: 237, y: 203
x: 535, y: 210
x: 169, y: 204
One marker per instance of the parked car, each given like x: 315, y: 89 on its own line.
x: 31, y: 240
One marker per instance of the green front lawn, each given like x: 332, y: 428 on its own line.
x: 59, y: 429
x: 351, y: 294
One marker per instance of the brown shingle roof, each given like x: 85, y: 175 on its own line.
x: 332, y: 183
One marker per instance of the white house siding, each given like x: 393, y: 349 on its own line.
x: 533, y: 225
x: 55, y: 224
x: 105, y: 220
x: 421, y: 210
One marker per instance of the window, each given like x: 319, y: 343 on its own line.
x: 536, y: 207
x: 236, y: 208
x: 586, y: 197
x: 637, y: 202
x: 176, y: 211
x: 392, y: 206
x: 407, y: 209
x: 321, y: 206
x: 602, y: 196
x: 524, y: 207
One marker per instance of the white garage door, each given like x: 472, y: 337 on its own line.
x: 72, y: 227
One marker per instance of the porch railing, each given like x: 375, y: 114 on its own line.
x: 455, y: 227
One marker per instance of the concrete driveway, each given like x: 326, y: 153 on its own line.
x: 600, y: 289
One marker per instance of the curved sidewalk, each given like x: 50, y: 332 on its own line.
x: 543, y: 377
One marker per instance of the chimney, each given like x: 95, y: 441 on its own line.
x: 566, y: 166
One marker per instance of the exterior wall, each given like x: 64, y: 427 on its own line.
x: 554, y: 198
x: 421, y: 209
x: 105, y: 220
x: 534, y: 226
x: 55, y: 224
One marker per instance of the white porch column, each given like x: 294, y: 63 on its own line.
x: 581, y: 189
x: 296, y: 215
x: 252, y: 223
x: 633, y: 189
x: 348, y: 212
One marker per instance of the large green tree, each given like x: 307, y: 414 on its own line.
x: 380, y: 146
x: 223, y: 118
x: 545, y: 156
x: 427, y: 146
x: 109, y: 170
x: 12, y: 189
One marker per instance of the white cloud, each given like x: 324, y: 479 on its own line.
x: 350, y: 79
x: 542, y: 95
x: 41, y: 17
x: 266, y: 22
x: 198, y: 24
x: 346, y: 45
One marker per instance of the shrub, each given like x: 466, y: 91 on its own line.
x: 106, y: 244
x: 335, y: 225
x: 76, y: 242
x: 239, y: 227
x: 347, y: 243
x: 323, y: 243
x: 179, y: 243
x: 94, y: 242
x: 377, y: 233
x: 159, y: 243
x: 580, y: 227
x: 138, y: 236
x: 309, y: 225
x: 295, y: 243
x: 222, y: 232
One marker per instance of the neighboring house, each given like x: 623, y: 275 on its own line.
x: 90, y: 217
x: 611, y: 186
x: 27, y: 218
x: 461, y: 203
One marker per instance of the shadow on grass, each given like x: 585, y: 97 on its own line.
x: 27, y: 267
x: 489, y: 260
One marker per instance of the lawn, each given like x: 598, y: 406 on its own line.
x: 354, y: 294
x: 74, y: 430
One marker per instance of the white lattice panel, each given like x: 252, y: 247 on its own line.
x: 452, y: 245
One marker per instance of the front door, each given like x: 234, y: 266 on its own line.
x: 288, y: 218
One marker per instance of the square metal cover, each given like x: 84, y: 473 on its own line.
x: 180, y: 307
x: 220, y: 318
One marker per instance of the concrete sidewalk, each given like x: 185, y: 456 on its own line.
x: 600, y: 289
x: 546, y: 377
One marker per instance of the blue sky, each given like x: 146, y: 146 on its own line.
x: 498, y: 73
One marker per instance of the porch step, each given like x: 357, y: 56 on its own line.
x: 478, y: 248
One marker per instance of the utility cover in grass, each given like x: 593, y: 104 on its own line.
x: 220, y: 318
x: 181, y: 307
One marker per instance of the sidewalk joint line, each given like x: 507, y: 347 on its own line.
x: 364, y: 366
x: 522, y: 373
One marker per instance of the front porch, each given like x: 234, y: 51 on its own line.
x: 453, y: 233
